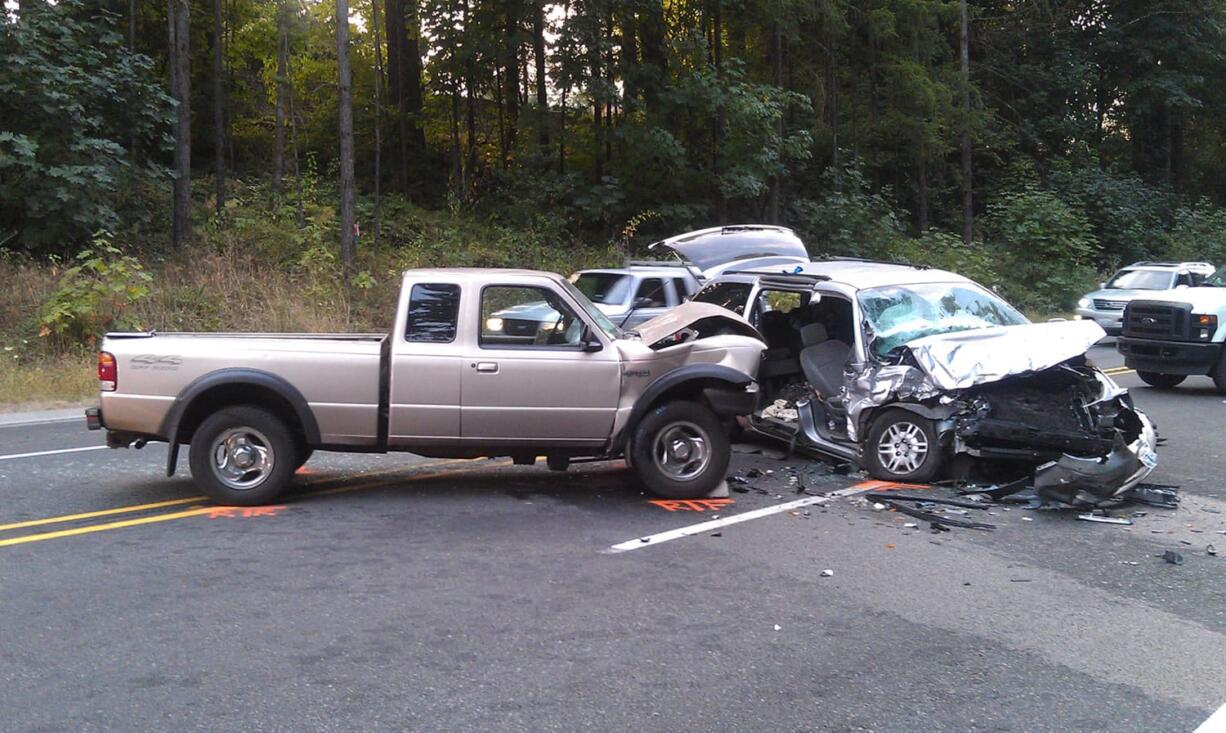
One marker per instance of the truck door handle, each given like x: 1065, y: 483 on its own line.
x: 487, y: 366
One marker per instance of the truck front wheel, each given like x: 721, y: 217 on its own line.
x: 243, y: 456
x: 1219, y: 373
x: 680, y: 450
x: 1161, y: 381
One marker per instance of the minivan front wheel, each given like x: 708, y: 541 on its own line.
x: 680, y: 450
x: 903, y: 446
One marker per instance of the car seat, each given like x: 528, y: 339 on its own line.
x: 823, y: 359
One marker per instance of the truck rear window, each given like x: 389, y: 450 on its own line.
x: 433, y: 311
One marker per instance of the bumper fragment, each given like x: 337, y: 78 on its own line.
x: 1088, y: 481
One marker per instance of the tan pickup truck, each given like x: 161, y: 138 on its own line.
x: 459, y: 376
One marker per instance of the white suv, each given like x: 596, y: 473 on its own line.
x: 1105, y: 306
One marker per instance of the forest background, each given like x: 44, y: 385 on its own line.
x: 254, y: 164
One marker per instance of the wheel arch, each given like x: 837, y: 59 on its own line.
x: 703, y: 383
x: 237, y: 386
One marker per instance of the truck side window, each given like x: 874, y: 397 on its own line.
x: 653, y: 290
x: 684, y: 289
x: 520, y: 315
x: 433, y: 311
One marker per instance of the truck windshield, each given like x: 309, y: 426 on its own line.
x: 1140, y: 280
x: 598, y: 317
x: 606, y: 288
x: 898, y: 315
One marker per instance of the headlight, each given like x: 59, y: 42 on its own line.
x: 493, y: 324
x: 1083, y: 303
x: 1204, y: 325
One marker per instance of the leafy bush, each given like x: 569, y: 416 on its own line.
x: 95, y: 294
x: 73, y: 98
x: 1198, y: 233
x: 1044, y: 248
x: 850, y: 220
x: 946, y: 251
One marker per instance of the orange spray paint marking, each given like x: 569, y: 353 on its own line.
x: 235, y: 512
x: 692, y: 505
x: 888, y: 486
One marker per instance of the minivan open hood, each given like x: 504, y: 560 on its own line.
x: 968, y: 358
x: 707, y: 249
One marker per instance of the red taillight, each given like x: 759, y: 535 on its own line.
x: 108, y: 378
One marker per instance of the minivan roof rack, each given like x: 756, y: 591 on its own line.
x: 899, y: 263
x: 654, y: 263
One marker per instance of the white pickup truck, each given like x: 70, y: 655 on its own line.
x: 1177, y: 334
x: 451, y: 380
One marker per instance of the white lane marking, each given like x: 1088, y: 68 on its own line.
x: 1215, y: 724
x: 693, y: 529
x: 50, y: 452
x: 44, y: 421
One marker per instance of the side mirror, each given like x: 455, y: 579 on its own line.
x: 1181, y: 286
x: 1102, y: 286
x: 588, y: 341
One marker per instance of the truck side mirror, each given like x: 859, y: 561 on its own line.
x: 588, y: 340
x: 642, y: 302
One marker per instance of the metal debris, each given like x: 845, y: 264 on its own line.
x: 1173, y: 557
x: 827, y: 573
x: 1101, y: 519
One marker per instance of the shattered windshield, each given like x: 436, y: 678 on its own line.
x: 897, y: 315
x: 1140, y: 280
x: 606, y: 288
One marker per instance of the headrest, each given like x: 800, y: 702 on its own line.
x: 814, y: 333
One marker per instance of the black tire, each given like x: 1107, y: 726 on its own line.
x: 304, y: 453
x: 699, y: 462
x: 1219, y: 373
x: 253, y: 429
x: 1162, y: 381
x: 906, y: 437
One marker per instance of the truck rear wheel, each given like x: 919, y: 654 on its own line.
x: 243, y: 456
x: 1161, y: 381
x: 680, y: 450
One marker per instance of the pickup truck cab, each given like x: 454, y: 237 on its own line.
x: 448, y: 381
x: 1178, y: 334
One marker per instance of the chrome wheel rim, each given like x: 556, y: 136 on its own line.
x: 682, y: 451
x: 242, y: 458
x: 902, y: 448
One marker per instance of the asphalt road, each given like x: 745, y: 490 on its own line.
x: 394, y: 593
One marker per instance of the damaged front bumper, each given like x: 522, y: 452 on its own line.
x: 1090, y: 481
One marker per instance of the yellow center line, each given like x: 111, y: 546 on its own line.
x: 197, y: 511
x: 104, y: 527
x: 100, y: 513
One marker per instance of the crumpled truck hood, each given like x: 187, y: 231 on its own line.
x: 969, y: 358
x: 692, y: 315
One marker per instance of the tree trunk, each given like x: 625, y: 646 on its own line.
x: 923, y: 190
x: 968, y: 203
x: 219, y: 114
x: 346, y: 134
x: 655, y: 60
x: 542, y: 81
x: 510, y: 75
x: 179, y: 23
x: 404, y: 72
x: 278, y: 148
x: 717, y: 44
x: 773, y: 195
x: 374, y: 21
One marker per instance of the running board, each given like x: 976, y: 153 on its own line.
x: 808, y: 428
